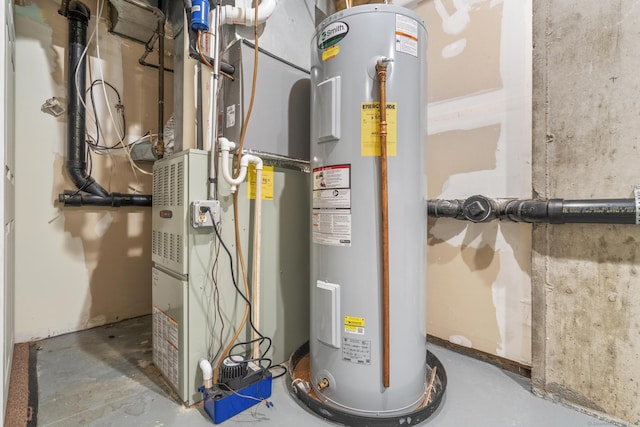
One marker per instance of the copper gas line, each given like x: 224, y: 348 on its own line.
x: 381, y: 70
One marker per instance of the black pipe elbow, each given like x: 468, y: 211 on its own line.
x: 84, y: 182
x: 78, y: 11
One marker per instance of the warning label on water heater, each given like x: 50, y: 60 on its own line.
x: 331, y: 218
x: 406, y: 35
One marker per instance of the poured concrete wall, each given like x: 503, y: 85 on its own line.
x: 479, y: 126
x: 586, y: 342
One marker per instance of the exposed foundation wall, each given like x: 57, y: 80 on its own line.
x: 479, y: 125
x: 586, y: 302
x: 84, y: 266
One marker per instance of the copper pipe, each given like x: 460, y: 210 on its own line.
x: 381, y: 69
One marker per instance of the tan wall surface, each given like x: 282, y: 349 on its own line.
x: 84, y: 266
x: 479, y: 121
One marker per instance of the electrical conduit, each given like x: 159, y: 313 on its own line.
x: 213, y: 102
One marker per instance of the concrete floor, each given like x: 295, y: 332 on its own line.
x: 104, y: 377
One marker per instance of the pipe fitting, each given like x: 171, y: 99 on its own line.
x: 225, y: 147
x: 246, y: 16
x: 323, y: 384
x: 207, y: 372
x: 479, y: 209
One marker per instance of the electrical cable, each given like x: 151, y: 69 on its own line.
x: 134, y: 167
x: 216, y: 302
x: 95, y: 142
x: 244, y: 297
x: 279, y: 366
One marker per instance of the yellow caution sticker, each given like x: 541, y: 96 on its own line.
x: 330, y: 52
x: 354, y: 325
x: 370, y: 129
x: 267, y: 182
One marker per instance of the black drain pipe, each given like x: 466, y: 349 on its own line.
x: 554, y: 211
x: 78, y: 16
x: 114, y: 200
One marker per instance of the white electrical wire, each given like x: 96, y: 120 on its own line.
x: 127, y: 150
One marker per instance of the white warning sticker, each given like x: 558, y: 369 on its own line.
x: 165, y: 345
x: 332, y: 228
x: 328, y: 177
x: 338, y: 198
x: 331, y: 218
x: 356, y: 351
x: 406, y: 35
x: 231, y: 115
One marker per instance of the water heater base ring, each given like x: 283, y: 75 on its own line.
x: 308, y: 400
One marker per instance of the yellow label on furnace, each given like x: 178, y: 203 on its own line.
x: 267, y: 182
x: 370, y: 129
x: 331, y: 52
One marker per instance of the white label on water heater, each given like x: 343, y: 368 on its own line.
x: 331, y: 217
x: 356, y: 351
x: 406, y: 35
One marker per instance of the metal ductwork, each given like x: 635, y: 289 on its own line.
x: 78, y: 15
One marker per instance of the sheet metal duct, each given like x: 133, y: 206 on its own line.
x: 130, y: 21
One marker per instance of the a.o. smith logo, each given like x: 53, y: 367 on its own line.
x: 332, y: 34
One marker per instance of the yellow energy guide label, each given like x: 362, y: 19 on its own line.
x: 370, y: 128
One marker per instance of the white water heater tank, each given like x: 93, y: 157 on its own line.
x: 346, y: 345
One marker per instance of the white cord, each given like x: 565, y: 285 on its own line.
x: 127, y: 150
x: 95, y: 33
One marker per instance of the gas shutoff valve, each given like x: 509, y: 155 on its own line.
x: 204, y: 212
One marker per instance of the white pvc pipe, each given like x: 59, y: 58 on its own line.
x: 207, y: 373
x: 225, y: 147
x: 246, y: 15
x: 255, y: 296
